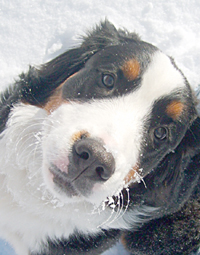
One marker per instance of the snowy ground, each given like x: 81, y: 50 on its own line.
x: 34, y: 31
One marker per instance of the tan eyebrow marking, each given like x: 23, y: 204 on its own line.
x: 175, y: 109
x: 79, y: 135
x: 131, y: 69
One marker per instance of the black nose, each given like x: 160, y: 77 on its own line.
x: 92, y: 161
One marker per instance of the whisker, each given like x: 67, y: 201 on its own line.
x: 106, y: 221
x: 139, y: 178
x: 119, y: 208
x: 127, y: 205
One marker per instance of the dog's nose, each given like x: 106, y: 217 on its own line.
x: 92, y: 160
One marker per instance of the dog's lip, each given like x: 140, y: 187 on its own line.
x: 62, y: 164
x: 61, y: 180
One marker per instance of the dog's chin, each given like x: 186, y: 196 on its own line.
x: 62, y: 183
x: 66, y: 192
x: 58, y: 185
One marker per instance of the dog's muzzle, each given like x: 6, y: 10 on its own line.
x: 90, y: 164
x: 92, y: 160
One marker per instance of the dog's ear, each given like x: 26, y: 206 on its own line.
x: 38, y: 84
x: 198, y: 100
x: 175, y: 188
x: 105, y: 35
x: 181, y: 168
x: 172, y: 182
x: 192, y: 138
x: 179, y: 219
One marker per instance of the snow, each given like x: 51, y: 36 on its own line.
x: 5, y: 249
x: 34, y: 31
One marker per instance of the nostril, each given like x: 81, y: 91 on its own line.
x: 100, y: 172
x: 84, y: 155
x: 91, y: 160
x: 103, y: 173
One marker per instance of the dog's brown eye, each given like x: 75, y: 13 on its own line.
x: 108, y: 80
x: 160, y: 133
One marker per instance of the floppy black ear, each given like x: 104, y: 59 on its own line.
x: 177, y: 187
x: 38, y: 84
x: 192, y: 137
x: 106, y: 34
x: 178, y: 232
x: 176, y: 178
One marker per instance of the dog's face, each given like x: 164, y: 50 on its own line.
x: 112, y: 122
x: 101, y: 136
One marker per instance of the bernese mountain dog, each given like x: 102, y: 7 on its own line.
x: 101, y: 145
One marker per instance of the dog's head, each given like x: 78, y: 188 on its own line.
x: 121, y: 108
x: 116, y: 108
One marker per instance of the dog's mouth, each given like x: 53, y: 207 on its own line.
x: 82, y: 173
x: 61, y: 181
x: 64, y: 185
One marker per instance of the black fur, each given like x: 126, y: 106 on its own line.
x: 36, y: 86
x: 80, y: 244
x: 172, y: 186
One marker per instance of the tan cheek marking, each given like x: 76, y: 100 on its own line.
x: 56, y: 99
x: 123, y: 241
x: 175, y: 109
x: 131, y: 176
x: 131, y: 69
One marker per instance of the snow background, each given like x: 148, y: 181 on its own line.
x: 35, y: 31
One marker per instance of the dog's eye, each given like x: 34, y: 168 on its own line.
x: 108, y: 80
x: 160, y: 133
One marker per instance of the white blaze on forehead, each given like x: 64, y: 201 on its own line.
x: 161, y: 78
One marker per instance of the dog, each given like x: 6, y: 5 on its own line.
x: 98, y: 145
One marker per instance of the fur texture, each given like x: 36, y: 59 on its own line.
x: 101, y: 144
